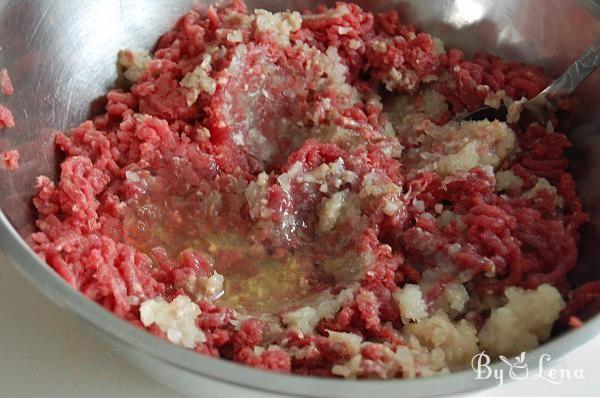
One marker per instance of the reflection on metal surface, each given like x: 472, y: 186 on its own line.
x: 464, y: 13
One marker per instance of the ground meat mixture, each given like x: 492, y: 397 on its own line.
x: 10, y: 159
x: 290, y: 191
x: 6, y: 86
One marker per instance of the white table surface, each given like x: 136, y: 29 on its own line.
x: 45, y: 353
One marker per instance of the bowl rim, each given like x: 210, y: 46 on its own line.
x: 47, y: 281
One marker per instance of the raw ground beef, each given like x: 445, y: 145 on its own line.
x: 289, y: 191
x: 6, y: 86
x: 10, y: 160
x: 6, y: 118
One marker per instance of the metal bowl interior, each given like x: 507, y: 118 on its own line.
x: 62, y: 59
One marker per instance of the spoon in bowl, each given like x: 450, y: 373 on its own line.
x: 540, y: 106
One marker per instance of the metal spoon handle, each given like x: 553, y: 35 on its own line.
x: 577, y: 72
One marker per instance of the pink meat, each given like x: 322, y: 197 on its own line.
x: 10, y: 160
x: 6, y: 117
x: 6, y: 86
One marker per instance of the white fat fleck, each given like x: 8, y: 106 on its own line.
x: 438, y: 46
x: 376, y: 184
x: 544, y: 184
x: 280, y: 25
x: 329, y: 175
x: 132, y: 176
x: 457, y: 340
x: 344, y: 30
x: 391, y: 207
x: 411, y: 303
x: 350, y: 342
x: 338, y: 11
x: 514, y: 110
x: 494, y: 99
x: 306, y: 318
x: 238, y: 138
x: 203, y: 133
x: 176, y: 319
x: 379, y: 46
x: 199, y: 80
x: 331, y: 210
x: 348, y: 370
x: 285, y: 179
x: 208, y: 288
x: 454, y: 248
x: 257, y: 197
x: 134, y: 63
x: 523, y: 323
x: 459, y: 147
x: 405, y: 80
x: 507, y: 180
x: 235, y: 36
x: 354, y: 44
x: 419, y: 205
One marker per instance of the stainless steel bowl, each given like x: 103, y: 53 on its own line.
x: 61, y: 56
